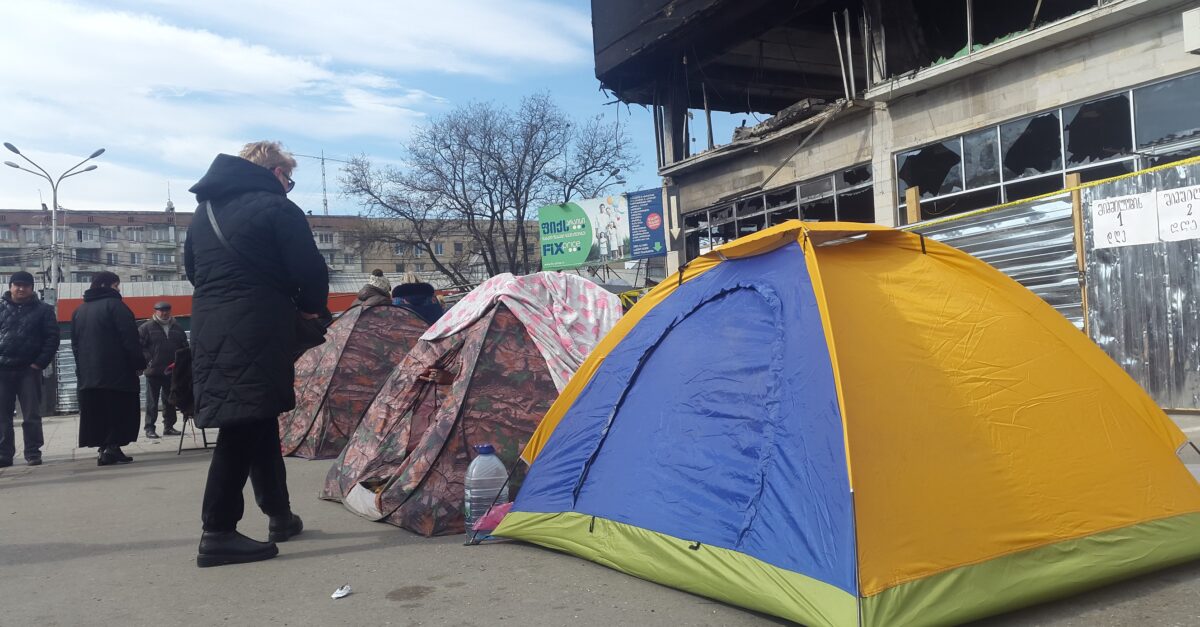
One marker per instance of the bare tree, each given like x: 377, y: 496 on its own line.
x: 482, y: 170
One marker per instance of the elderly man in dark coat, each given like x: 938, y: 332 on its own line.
x: 249, y: 290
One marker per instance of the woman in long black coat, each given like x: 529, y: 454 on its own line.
x: 108, y: 362
x: 244, y: 343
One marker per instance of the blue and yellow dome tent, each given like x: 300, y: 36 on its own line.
x: 850, y: 425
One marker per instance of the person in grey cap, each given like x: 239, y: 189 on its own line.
x: 28, y: 341
x: 161, y: 336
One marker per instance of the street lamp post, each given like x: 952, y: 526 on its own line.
x: 42, y: 173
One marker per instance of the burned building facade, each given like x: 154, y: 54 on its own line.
x: 895, y: 111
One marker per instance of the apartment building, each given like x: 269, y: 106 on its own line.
x: 148, y: 246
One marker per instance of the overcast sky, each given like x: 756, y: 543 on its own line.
x: 164, y: 86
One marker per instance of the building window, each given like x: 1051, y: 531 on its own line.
x: 420, y: 267
x: 133, y: 234
x: 86, y: 235
x: 161, y: 234
x: 348, y: 259
x: 846, y: 195
x: 87, y: 255
x: 439, y: 248
x: 325, y: 238
x: 34, y: 236
x: 1031, y: 156
x: 399, y: 267
x: 458, y: 248
x: 400, y: 250
x: 7, y: 235
x: 110, y: 258
x: 135, y: 258
x: 135, y: 278
x: 10, y: 257
x: 108, y: 235
x: 162, y: 259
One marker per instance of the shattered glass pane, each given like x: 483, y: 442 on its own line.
x: 1031, y: 146
x: 935, y: 169
x: 1098, y: 131
x: 856, y: 206
x: 779, y: 217
x: 695, y: 220
x: 746, y: 226
x: 1033, y: 187
x: 782, y: 198
x: 1167, y: 112
x: 1106, y: 171
x: 815, y: 188
x: 981, y: 158
x: 961, y: 203
x: 854, y: 176
x: 820, y: 209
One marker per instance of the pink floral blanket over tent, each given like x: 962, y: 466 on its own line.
x: 566, y: 315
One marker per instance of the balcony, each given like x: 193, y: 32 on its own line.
x: 86, y: 244
x: 160, y: 244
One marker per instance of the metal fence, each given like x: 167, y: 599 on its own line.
x: 68, y: 401
x: 1144, y: 300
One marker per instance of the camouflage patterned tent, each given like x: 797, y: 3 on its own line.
x: 405, y: 463
x: 336, y: 381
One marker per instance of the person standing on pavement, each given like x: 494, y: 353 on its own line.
x: 251, y: 255
x: 28, y: 341
x: 108, y: 362
x: 160, y: 336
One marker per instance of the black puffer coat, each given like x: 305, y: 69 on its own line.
x: 243, y: 318
x: 28, y: 333
x: 104, y: 338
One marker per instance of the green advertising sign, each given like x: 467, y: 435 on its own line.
x: 566, y: 236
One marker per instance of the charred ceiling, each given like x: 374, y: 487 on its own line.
x: 765, y: 55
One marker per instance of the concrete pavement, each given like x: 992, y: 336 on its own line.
x: 85, y: 545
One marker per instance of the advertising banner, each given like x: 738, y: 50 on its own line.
x: 646, y: 232
x: 582, y: 232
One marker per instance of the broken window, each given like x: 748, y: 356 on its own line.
x: 1106, y: 171
x: 815, y: 188
x: 746, y: 226
x: 981, y: 158
x: 935, y: 169
x: 1033, y: 187
x: 750, y: 206
x: 783, y: 198
x: 1031, y: 146
x: 821, y: 209
x: 783, y: 215
x: 1098, y: 130
x: 856, y: 205
x: 1167, y: 112
x: 724, y: 233
x: 959, y: 203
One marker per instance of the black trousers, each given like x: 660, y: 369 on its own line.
x: 158, y: 387
x: 22, y: 385
x: 248, y: 450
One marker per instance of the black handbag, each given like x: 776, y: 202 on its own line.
x: 310, y: 332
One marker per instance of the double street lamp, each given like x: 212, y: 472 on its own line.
x: 42, y: 173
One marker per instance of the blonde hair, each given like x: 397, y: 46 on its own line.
x: 269, y: 155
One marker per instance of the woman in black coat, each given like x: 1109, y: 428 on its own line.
x: 108, y: 362
x: 244, y: 341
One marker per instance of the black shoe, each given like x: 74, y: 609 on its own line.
x: 119, y: 455
x: 106, y: 458
x: 36, y: 461
x: 171, y: 431
x: 281, y: 528
x: 230, y: 547
x: 151, y: 434
x: 5, y: 463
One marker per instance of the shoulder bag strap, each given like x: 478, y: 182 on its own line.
x: 212, y: 219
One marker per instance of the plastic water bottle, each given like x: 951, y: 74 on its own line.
x: 486, y: 477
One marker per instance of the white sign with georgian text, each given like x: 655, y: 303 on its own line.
x: 1179, y: 214
x: 1125, y: 220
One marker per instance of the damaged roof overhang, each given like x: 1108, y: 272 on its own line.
x: 797, y: 131
x: 749, y: 55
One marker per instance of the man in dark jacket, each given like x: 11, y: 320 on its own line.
x: 161, y: 337
x: 244, y: 338
x: 28, y: 341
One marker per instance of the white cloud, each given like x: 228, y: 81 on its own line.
x: 164, y: 86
